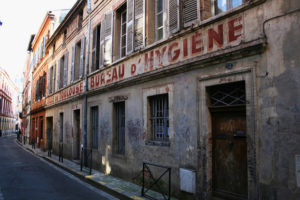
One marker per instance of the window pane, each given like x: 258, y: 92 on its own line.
x: 159, y: 6
x: 159, y: 20
x: 236, y: 3
x: 159, y: 34
x: 221, y: 6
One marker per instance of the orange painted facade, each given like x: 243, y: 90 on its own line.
x: 39, y: 81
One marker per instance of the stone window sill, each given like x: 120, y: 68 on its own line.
x: 157, y: 143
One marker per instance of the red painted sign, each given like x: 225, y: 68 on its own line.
x: 209, y: 39
x: 65, y: 94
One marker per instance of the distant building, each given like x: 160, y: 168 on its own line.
x: 8, y: 103
x: 26, y: 93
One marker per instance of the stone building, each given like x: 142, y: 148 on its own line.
x: 39, y: 75
x: 26, y: 93
x: 8, y: 102
x: 209, y: 88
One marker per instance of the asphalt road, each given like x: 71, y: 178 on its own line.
x: 25, y: 176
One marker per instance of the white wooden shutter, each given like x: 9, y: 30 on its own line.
x: 73, y: 63
x: 190, y: 13
x: 82, y: 55
x: 53, y: 82
x: 173, y: 16
x: 108, y: 38
x: 66, y: 69
x: 139, y: 20
x: 102, y: 39
x: 58, y: 73
x: 130, y: 26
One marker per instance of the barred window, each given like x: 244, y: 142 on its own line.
x: 119, y: 133
x: 159, y: 117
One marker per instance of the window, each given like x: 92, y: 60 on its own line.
x: 95, y: 126
x: 61, y: 73
x: 159, y: 117
x: 40, y: 87
x: 96, y: 47
x: 80, y: 18
x: 50, y: 80
x: 64, y: 37
x: 119, y: 132
x: 78, y: 59
x: 224, y: 5
x: 123, y: 34
x: 120, y: 30
x: 159, y: 19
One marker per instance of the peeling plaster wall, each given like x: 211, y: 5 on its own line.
x: 278, y: 102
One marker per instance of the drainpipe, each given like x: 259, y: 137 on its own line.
x: 84, y: 135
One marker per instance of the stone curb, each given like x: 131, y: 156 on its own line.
x: 80, y: 176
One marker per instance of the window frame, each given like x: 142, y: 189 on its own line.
x: 121, y: 32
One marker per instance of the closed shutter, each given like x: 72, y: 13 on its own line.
x: 130, y: 23
x: 108, y: 38
x: 190, y: 13
x: 58, y: 73
x: 82, y: 56
x: 94, y: 49
x: 139, y: 24
x: 73, y: 63
x: 66, y: 69
x: 102, y: 38
x: 53, y: 82
x: 173, y: 16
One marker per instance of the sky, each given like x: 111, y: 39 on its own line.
x: 20, y: 19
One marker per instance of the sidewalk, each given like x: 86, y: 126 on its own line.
x: 117, y: 187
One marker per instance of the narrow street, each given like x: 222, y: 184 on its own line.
x: 24, y: 176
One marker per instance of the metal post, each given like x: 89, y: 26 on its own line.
x: 84, y: 135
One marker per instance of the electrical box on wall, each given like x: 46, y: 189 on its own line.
x: 187, y: 180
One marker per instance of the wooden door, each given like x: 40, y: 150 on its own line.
x: 229, y: 154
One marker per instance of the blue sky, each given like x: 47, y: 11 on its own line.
x: 20, y: 19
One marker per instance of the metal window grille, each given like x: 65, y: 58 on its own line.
x: 159, y: 107
x: 231, y: 94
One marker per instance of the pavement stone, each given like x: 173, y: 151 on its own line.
x: 115, y: 186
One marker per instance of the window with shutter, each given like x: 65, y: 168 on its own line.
x: 102, y: 37
x: 58, y: 74
x: 73, y: 63
x: 49, y: 80
x: 190, y: 12
x: 95, y: 48
x: 77, y: 60
x: 66, y: 58
x: 129, y: 39
x: 54, y: 75
x: 108, y: 38
x: 139, y: 10
x: 224, y: 5
x: 160, y: 19
x: 82, y: 57
x: 173, y: 16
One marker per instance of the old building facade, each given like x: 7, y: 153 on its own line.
x: 209, y: 88
x: 8, y: 102
x: 26, y: 93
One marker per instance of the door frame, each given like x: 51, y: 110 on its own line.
x: 204, y: 172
